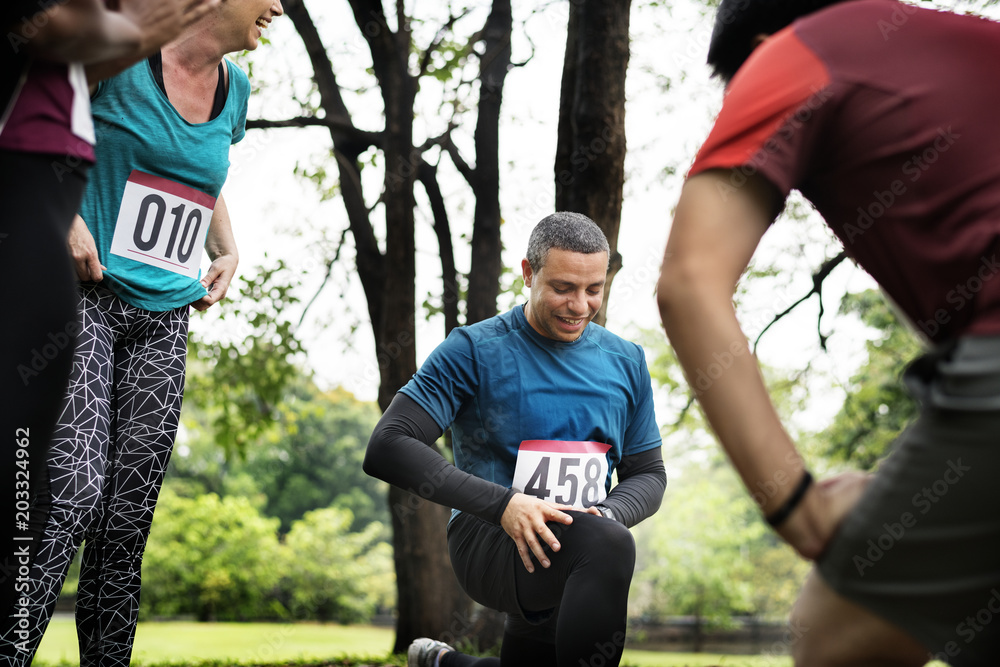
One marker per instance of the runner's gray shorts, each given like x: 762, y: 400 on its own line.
x: 922, y: 548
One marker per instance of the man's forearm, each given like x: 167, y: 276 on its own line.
x: 716, y: 230
x: 713, y: 352
x: 642, y: 479
x: 400, y: 452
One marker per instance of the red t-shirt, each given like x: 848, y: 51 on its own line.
x: 50, y: 113
x: 884, y: 116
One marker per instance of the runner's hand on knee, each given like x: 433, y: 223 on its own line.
x: 525, y: 521
x: 843, y: 492
x: 811, y: 526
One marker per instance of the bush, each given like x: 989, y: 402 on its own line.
x: 215, y: 559
x: 337, y: 575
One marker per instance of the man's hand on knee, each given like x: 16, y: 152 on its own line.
x: 525, y: 521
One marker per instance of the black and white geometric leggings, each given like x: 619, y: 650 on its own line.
x: 108, y: 456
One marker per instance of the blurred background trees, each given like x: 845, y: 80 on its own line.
x: 266, y: 512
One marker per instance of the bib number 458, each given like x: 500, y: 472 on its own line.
x: 568, y: 473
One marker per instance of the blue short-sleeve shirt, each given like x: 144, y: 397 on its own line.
x: 499, y: 382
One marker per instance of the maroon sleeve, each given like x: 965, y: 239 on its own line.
x: 763, y: 125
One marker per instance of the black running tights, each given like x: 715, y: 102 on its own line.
x: 570, y: 614
x: 37, y: 332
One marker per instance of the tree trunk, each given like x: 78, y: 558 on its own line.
x: 590, y: 155
x: 484, y: 277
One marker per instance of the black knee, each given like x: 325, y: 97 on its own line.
x: 604, y: 542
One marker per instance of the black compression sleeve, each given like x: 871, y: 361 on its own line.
x: 642, y: 479
x: 401, y: 453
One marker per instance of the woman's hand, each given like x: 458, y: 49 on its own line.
x: 83, y: 250
x: 216, y: 281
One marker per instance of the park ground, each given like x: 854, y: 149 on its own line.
x: 189, y: 644
x: 303, y: 645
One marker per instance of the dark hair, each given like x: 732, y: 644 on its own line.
x: 738, y: 21
x: 567, y: 231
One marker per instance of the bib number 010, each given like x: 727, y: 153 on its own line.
x: 162, y: 223
x: 156, y: 203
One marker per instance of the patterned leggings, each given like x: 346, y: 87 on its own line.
x: 108, y: 456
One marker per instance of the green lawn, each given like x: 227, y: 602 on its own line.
x: 266, y: 643
x: 237, y: 642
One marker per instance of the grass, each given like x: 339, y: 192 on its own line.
x: 225, y: 644
x: 275, y: 643
x: 236, y: 643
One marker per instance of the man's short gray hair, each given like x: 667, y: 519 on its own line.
x: 567, y: 231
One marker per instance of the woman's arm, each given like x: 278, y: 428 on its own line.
x: 220, y: 244
x: 86, y: 31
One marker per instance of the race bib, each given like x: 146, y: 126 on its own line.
x: 569, y: 473
x: 162, y: 223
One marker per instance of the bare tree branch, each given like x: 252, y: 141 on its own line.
x: 427, y: 175
x: 326, y: 275
x: 344, y: 126
x: 685, y: 410
x: 467, y: 171
x: 493, y: 68
x: 821, y: 274
x: 331, y: 99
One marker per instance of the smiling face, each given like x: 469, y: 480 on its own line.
x: 566, y: 292
x: 246, y: 20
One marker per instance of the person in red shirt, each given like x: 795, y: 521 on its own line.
x: 882, y: 114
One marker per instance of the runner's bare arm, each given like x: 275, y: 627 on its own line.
x: 86, y: 31
x: 715, y: 232
x: 159, y: 22
x: 220, y: 244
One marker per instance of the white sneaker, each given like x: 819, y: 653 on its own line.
x: 424, y: 651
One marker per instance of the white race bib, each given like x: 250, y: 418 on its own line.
x: 568, y: 473
x: 162, y: 223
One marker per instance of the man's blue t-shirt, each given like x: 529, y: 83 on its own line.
x: 499, y: 382
x: 145, y: 144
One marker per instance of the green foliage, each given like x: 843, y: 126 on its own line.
x: 686, y: 431
x: 310, y: 459
x: 449, y: 59
x: 240, y: 376
x: 877, y: 407
x: 315, y: 457
x: 217, y: 559
x: 512, y: 291
x: 326, y: 184
x: 697, y: 565
x: 338, y: 575
x: 708, y: 554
